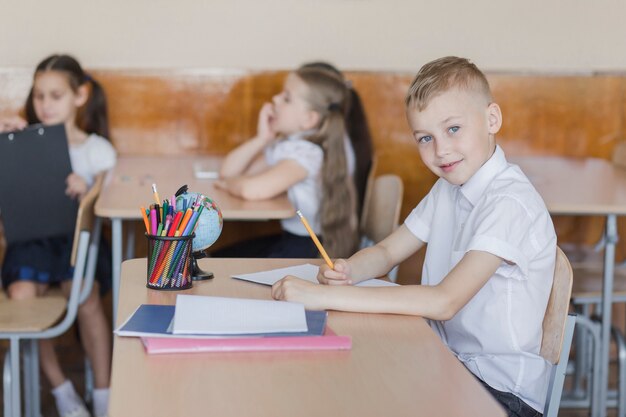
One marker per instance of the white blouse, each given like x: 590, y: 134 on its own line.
x: 94, y: 155
x: 305, y: 195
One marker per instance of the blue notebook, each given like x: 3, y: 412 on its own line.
x: 152, y: 320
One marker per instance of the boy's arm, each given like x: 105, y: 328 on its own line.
x: 374, y: 261
x: 267, y: 184
x: 439, y: 302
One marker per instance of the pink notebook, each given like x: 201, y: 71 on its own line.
x: 330, y: 341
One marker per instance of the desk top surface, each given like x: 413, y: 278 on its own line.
x: 129, y: 186
x: 397, y: 365
x: 587, y: 186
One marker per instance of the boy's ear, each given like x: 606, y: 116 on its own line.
x: 494, y: 118
x: 82, y: 94
x: 310, y: 120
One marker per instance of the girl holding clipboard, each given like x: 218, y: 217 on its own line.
x: 63, y: 93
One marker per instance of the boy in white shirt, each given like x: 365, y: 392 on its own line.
x: 491, y: 248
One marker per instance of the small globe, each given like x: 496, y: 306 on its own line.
x: 209, y: 226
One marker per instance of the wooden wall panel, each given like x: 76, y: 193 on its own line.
x: 211, y: 111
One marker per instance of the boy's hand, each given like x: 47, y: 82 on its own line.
x: 10, y: 123
x: 298, y: 290
x: 76, y: 186
x: 265, y: 131
x: 338, y: 276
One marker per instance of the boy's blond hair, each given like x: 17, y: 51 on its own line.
x: 444, y: 74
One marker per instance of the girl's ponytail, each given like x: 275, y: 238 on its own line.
x: 338, y: 214
x: 94, y: 114
x: 328, y: 97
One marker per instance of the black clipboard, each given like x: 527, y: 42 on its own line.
x: 34, y: 164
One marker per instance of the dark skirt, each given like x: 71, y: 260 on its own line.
x: 285, y: 245
x: 47, y: 261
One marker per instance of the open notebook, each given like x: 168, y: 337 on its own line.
x: 307, y: 272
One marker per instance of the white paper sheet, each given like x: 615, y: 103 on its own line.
x: 307, y: 272
x: 220, y: 315
x: 208, y: 169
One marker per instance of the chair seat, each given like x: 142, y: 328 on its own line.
x: 36, y: 314
x: 588, y: 280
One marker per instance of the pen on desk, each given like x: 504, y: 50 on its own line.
x: 155, y: 194
x: 315, y: 240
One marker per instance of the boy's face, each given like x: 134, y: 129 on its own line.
x: 455, y: 133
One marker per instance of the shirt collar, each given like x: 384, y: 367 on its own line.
x: 300, y: 135
x: 474, y: 188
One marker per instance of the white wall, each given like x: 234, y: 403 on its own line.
x: 508, y: 35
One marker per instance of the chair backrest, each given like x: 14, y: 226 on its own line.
x: 619, y: 154
x: 382, y: 210
x: 558, y: 330
x: 85, y: 216
x: 368, y: 189
x: 558, y: 307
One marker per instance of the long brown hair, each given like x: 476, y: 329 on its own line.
x: 92, y: 117
x: 358, y: 132
x: 327, y: 95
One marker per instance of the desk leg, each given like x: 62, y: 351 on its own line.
x: 116, y: 232
x: 16, y: 405
x: 130, y: 242
x: 607, y: 301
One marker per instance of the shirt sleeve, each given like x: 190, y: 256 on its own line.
x: 309, y: 155
x: 504, y: 228
x: 102, y: 155
x: 419, y: 220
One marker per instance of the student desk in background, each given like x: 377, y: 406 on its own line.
x: 585, y: 186
x: 129, y: 186
x: 397, y: 365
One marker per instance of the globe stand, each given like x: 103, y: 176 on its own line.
x: 198, y: 274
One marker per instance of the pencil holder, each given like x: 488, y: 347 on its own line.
x: 169, y: 262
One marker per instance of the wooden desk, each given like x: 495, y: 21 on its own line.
x: 129, y: 186
x: 585, y: 186
x: 397, y: 366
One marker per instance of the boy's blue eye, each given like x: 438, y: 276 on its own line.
x: 453, y: 129
x: 424, y: 139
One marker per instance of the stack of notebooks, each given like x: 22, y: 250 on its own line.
x: 218, y: 324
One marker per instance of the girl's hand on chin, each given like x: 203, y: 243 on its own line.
x: 265, y: 131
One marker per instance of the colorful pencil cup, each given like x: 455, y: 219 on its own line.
x: 169, y: 262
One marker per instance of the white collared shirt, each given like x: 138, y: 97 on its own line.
x: 497, y: 334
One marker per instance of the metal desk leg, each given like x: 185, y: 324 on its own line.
x: 116, y: 235
x: 130, y: 242
x: 16, y: 406
x: 607, y: 301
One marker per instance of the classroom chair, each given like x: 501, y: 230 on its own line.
x: 381, y: 212
x: 587, y: 292
x: 371, y: 175
x: 558, y: 329
x: 47, y: 317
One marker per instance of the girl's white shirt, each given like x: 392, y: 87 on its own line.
x: 306, y: 194
x: 94, y: 155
